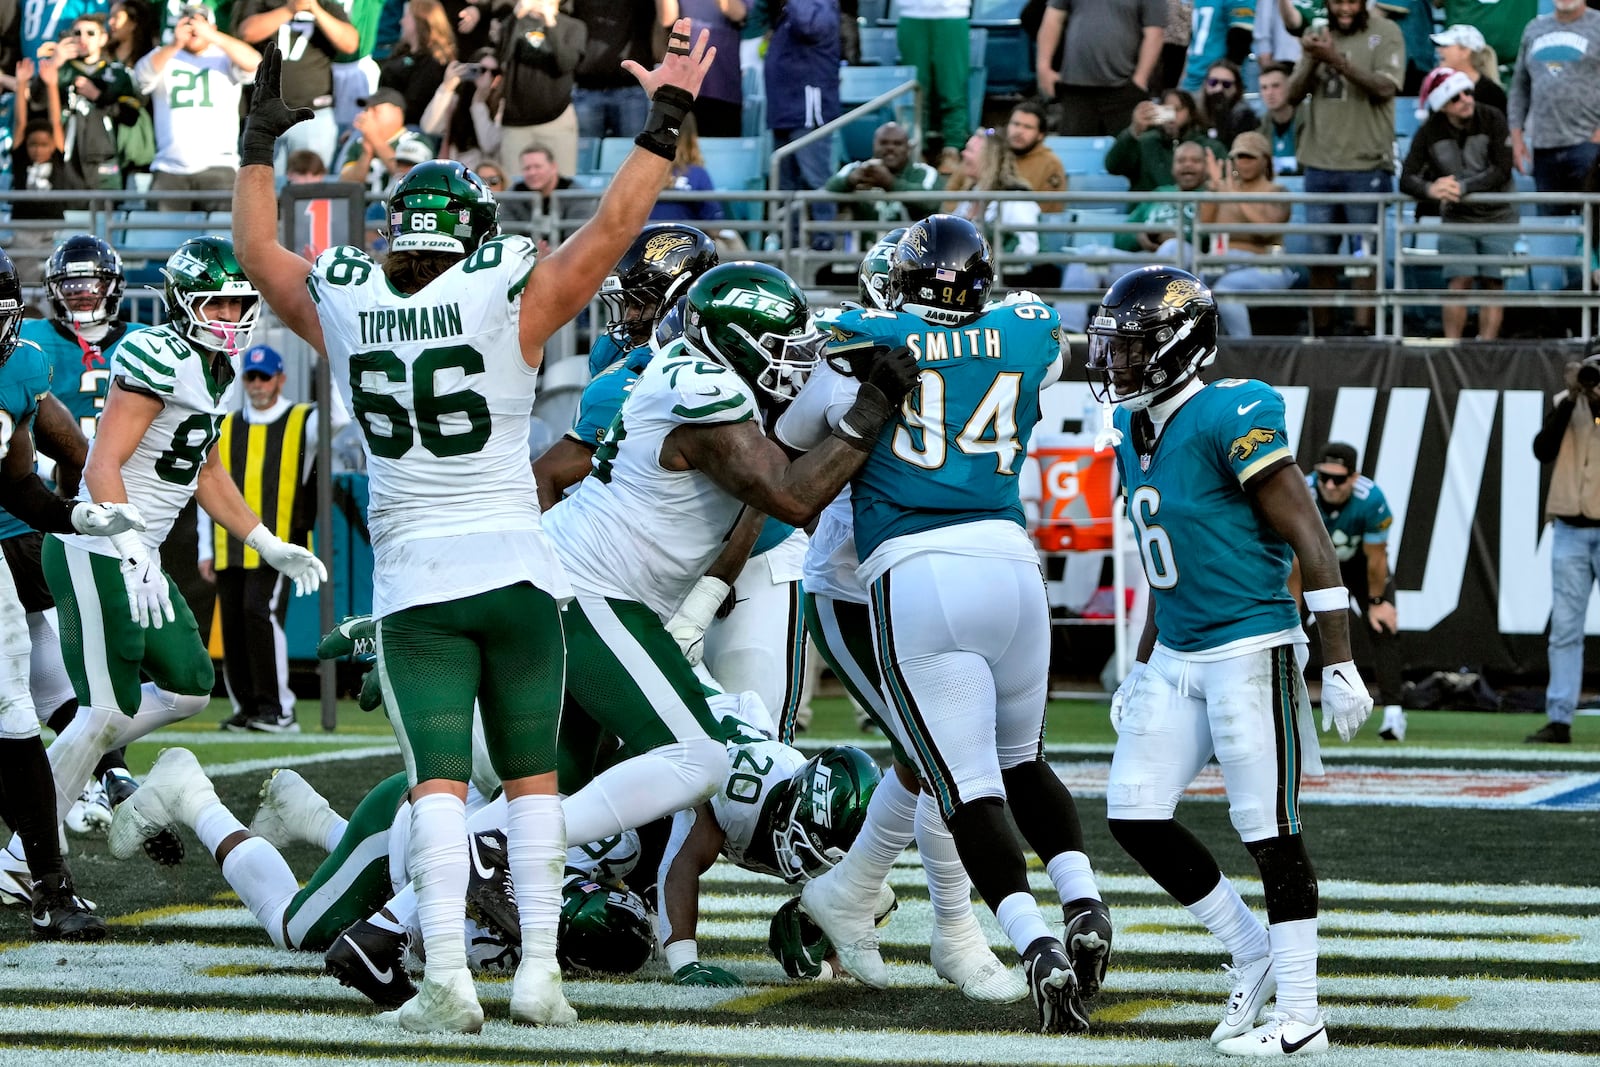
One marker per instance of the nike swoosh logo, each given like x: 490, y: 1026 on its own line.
x: 1245, y: 409
x: 1290, y: 1047
x: 387, y: 974
x: 486, y: 873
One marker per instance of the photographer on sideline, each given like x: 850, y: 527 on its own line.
x: 1570, y: 438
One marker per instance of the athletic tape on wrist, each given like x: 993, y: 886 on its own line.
x: 1333, y: 598
x: 667, y: 109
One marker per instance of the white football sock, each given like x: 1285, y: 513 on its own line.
x: 263, y: 881
x: 949, y: 888
x: 212, y: 823
x: 536, y: 845
x: 1072, y: 876
x: 646, y: 787
x: 332, y: 831
x: 438, y: 865
x: 402, y: 908
x: 492, y: 816
x: 1294, y: 965
x: 889, y: 827
x: 76, y: 750
x: 1020, y: 918
x: 1227, y: 916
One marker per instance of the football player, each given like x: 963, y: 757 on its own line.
x: 836, y: 616
x: 957, y: 608
x: 1210, y: 476
x: 83, y: 280
x: 778, y: 813
x: 440, y: 348
x: 28, y: 796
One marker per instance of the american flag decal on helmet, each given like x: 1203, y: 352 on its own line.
x: 944, y: 275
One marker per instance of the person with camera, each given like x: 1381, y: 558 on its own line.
x: 1570, y: 439
x: 91, y: 96
x: 1143, y: 152
x: 309, y: 33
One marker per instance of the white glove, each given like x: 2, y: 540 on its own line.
x: 1345, y: 700
x: 148, y: 599
x: 292, y: 561
x: 688, y: 626
x: 1119, y: 699
x: 103, y: 520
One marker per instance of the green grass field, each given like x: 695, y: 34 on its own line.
x: 1460, y: 919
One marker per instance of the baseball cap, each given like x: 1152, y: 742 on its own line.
x: 1439, y: 87
x: 383, y: 96
x: 263, y: 358
x: 412, y: 150
x: 1337, y: 452
x: 1468, y: 37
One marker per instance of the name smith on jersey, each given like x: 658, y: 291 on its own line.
x: 935, y: 346
x: 384, y: 326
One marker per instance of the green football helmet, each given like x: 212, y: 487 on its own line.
x: 873, y: 281
x: 755, y: 320
x: 823, y: 811
x: 796, y: 942
x: 202, y: 269
x: 603, y: 929
x: 441, y: 206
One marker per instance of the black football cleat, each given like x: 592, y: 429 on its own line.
x: 371, y: 960
x: 1054, y: 987
x: 59, y: 914
x: 1088, y: 942
x: 490, y: 900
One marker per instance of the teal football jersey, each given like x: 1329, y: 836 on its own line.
x: 23, y: 379
x: 1218, y: 573
x: 952, y: 454
x: 77, y: 367
x: 1208, y: 36
x: 1364, y: 519
x: 606, y: 353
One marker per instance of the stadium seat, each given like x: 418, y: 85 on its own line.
x: 592, y: 179
x: 147, y: 238
x: 977, y: 47
x: 872, y: 12
x: 857, y: 85
x: 1009, y: 59
x: 1095, y: 217
x: 1100, y: 183
x: 1405, y: 116
x: 1549, y: 277
x: 997, y: 12
x: 736, y: 162
x: 1081, y: 155
x: 613, y: 150
x: 977, y: 78
x: 1054, y: 241
x: 588, y: 154
x: 878, y: 46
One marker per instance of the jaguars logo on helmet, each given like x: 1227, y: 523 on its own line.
x: 1155, y: 328
x: 441, y: 206
x: 201, y: 270
x: 822, y: 811
x: 602, y: 929
x: 11, y: 307
x: 755, y: 320
x: 872, y: 283
x: 942, y: 271
x: 84, y: 281
x: 662, y: 262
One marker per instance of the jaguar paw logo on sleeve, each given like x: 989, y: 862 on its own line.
x: 1246, y: 446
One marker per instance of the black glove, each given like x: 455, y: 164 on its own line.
x: 269, y: 116
x: 893, y: 372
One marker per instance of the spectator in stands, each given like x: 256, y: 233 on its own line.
x: 1462, y: 47
x: 95, y: 97
x: 355, y: 73
x: 1221, y: 30
x: 987, y: 163
x: 304, y: 167
x: 933, y: 37
x: 610, y: 101
x: 875, y: 181
x: 493, y: 177
x: 1280, y: 120
x: 194, y: 85
x: 1570, y: 439
x: 1170, y: 224
x: 1037, y: 165
x: 1349, y: 75
x: 1555, y: 95
x: 1274, y: 43
x: 416, y: 67
x: 310, y: 33
x: 688, y: 174
x: 1248, y: 169
x: 449, y: 116
x: 719, y: 109
x: 379, y: 144
x: 1501, y: 22
x: 1174, y: 46
x: 1222, y: 109
x: 1142, y: 153
x: 132, y: 29
x: 801, y: 75
x: 539, y: 52
x: 1463, y: 148
x: 1414, y: 18
x: 541, y: 175
x: 36, y: 166
x: 1110, y: 49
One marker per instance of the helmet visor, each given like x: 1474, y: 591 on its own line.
x: 629, y: 315
x: 84, y: 293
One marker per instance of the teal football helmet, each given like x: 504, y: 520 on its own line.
x: 823, y: 810
x: 204, y: 269
x: 797, y: 943
x: 755, y: 320
x: 441, y: 206
x: 603, y: 929
x: 873, y: 281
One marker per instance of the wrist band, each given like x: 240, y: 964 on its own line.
x: 661, y: 129
x: 1333, y: 598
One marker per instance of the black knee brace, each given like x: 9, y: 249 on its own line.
x: 1288, y: 880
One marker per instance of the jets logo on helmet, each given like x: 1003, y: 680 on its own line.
x: 821, y: 809
x: 602, y: 929
x: 84, y: 281
x: 200, y: 275
x: 753, y: 319
x: 1155, y: 328
x: 872, y: 283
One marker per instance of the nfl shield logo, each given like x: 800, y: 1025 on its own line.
x: 1144, y: 462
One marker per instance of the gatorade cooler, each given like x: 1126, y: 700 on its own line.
x: 1076, y: 501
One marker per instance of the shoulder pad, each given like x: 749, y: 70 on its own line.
x: 702, y: 391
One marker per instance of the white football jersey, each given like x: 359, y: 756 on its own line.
x: 758, y: 766
x: 195, y: 102
x: 632, y: 529
x: 160, y: 475
x: 438, y: 385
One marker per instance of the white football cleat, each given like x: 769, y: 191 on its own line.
x: 1394, y: 723
x: 175, y: 785
x: 450, y: 1006
x: 91, y: 812
x: 16, y: 881
x: 1253, y: 985
x: 536, y: 996
x: 291, y: 812
x: 961, y: 956
x: 846, y: 916
x: 1279, y: 1036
